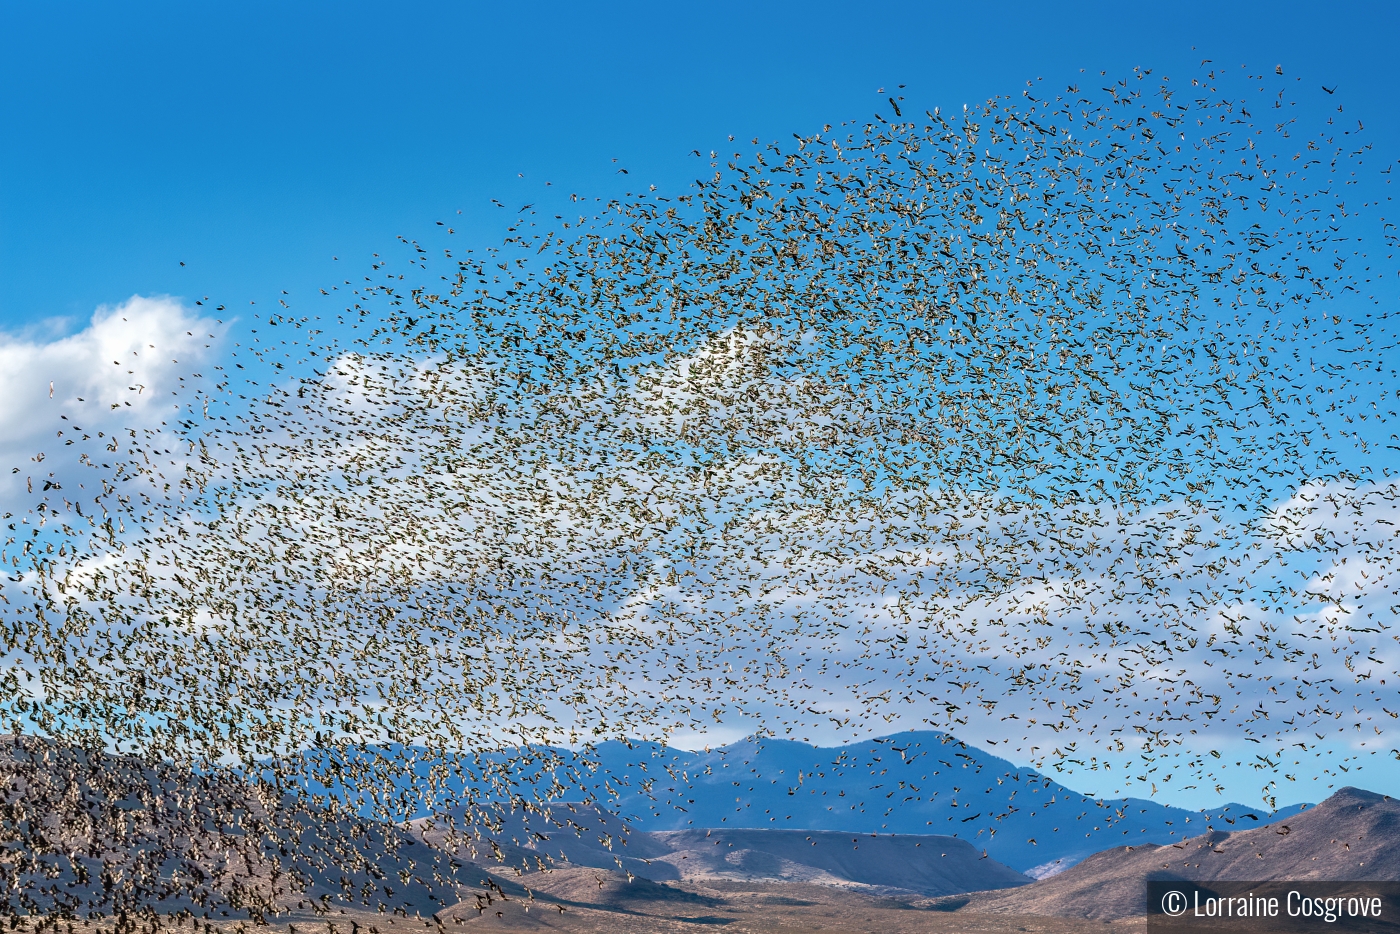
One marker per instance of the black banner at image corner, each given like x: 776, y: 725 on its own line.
x: 1182, y: 907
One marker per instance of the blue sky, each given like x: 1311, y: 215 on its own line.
x: 254, y: 142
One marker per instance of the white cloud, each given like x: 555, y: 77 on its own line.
x: 126, y: 369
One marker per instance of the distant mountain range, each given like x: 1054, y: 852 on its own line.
x: 908, y: 783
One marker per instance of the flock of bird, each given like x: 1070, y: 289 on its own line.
x: 1053, y: 421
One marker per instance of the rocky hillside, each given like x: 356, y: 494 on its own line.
x: 85, y: 833
x: 1354, y: 835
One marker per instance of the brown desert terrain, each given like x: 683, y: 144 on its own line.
x: 105, y: 843
x: 1353, y: 835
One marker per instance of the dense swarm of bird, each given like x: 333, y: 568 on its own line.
x: 1055, y: 418
x: 89, y: 834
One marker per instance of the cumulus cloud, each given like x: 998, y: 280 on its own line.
x: 127, y: 368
